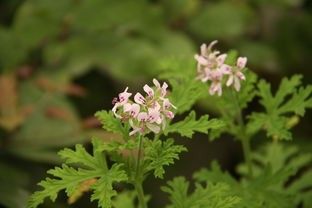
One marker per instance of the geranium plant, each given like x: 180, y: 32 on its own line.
x: 142, y: 143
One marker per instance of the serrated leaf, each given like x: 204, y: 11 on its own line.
x: 186, y: 89
x: 190, y: 125
x: 275, y: 126
x: 70, y: 178
x: 275, y: 166
x: 231, y: 103
x: 103, y: 189
x: 290, y: 98
x: 212, y: 195
x: 214, y: 175
x: 299, y: 102
x: 124, y: 199
x: 110, y: 122
x: 253, y: 192
x: 161, y: 153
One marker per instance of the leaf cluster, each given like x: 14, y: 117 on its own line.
x: 159, y: 154
x: 190, y: 125
x: 69, y: 178
x: 278, y: 180
x: 216, y: 195
x: 291, y: 99
x: 293, y: 163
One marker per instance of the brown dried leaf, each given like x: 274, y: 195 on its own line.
x: 84, y: 187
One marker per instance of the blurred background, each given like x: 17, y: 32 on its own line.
x: 61, y: 61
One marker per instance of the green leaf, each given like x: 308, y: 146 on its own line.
x: 214, y: 175
x: 254, y: 192
x: 212, y: 195
x: 190, y: 125
x: 287, y: 87
x: 110, y: 122
x: 289, y: 166
x: 186, y: 89
x: 289, y: 100
x: 161, y: 153
x: 299, y: 102
x: 103, y: 189
x: 275, y: 126
x: 70, y: 178
x: 124, y: 199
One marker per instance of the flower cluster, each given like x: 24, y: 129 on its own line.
x: 211, y: 67
x: 146, y: 113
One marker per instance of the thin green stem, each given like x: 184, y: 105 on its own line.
x: 104, y: 162
x: 139, y: 157
x: 140, y: 192
x: 243, y: 136
x: 247, y: 154
x: 138, y: 184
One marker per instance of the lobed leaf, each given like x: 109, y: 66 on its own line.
x: 282, y: 169
x: 70, y: 178
x: 190, y: 125
x: 110, y: 122
x: 289, y: 99
x: 211, y: 195
x: 161, y: 153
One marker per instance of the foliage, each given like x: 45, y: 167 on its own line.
x: 290, y: 99
x: 69, y: 178
x: 180, y: 72
x: 274, y: 168
x: 110, y: 123
x: 281, y: 157
x: 161, y: 153
x: 190, y: 125
x: 210, y: 195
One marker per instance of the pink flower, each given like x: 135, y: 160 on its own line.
x: 241, y: 62
x: 138, y: 98
x: 148, y: 90
x: 154, y: 116
x: 132, y: 109
x: 209, y: 61
x: 124, y: 96
x: 154, y: 128
x: 216, y: 86
x: 236, y: 74
x: 162, y: 89
x: 146, y: 121
x: 147, y: 113
x: 123, y: 99
x: 211, y: 67
x: 166, y: 106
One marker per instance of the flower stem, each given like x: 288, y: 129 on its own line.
x: 245, y: 139
x: 138, y: 184
x: 139, y: 157
x: 247, y: 154
x: 139, y: 190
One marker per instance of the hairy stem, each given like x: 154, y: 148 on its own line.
x: 139, y: 157
x: 138, y: 178
x: 140, y: 192
x: 242, y: 135
x: 247, y: 154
